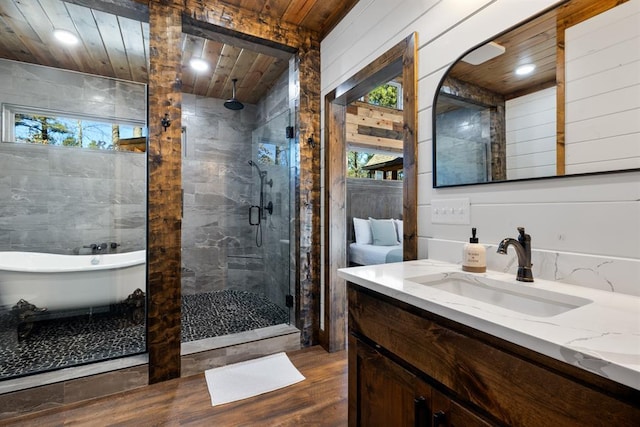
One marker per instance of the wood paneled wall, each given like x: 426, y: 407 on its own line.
x: 335, y: 296
x: 372, y: 127
x: 165, y: 167
x: 308, y: 194
x: 165, y: 196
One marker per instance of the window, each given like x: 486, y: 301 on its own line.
x: 34, y: 126
x: 271, y: 154
x: 267, y: 153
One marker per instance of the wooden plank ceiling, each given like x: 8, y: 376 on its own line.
x: 533, y: 42
x: 114, y: 41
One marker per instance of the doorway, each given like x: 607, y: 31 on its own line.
x: 237, y: 172
x: 399, y: 60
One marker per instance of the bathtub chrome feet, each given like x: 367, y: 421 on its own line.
x: 26, y: 313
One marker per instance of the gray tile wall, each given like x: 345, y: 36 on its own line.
x: 216, y: 181
x: 71, y: 92
x: 57, y: 199
x: 462, y: 150
x: 218, y: 244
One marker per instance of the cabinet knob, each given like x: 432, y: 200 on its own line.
x: 439, y: 419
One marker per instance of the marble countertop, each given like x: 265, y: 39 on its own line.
x: 602, y: 336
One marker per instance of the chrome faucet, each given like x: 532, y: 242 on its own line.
x: 523, y: 250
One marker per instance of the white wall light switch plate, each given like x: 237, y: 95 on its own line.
x: 450, y: 211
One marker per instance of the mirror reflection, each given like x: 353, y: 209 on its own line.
x: 558, y: 95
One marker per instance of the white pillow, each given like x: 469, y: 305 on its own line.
x: 399, y: 229
x: 383, y: 232
x: 362, y: 228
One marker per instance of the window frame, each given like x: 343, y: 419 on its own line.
x: 9, y: 111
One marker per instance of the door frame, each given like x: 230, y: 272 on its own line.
x: 400, y: 59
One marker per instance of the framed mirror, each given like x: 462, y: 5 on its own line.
x: 558, y: 95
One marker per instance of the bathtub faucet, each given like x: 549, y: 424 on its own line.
x: 97, y: 247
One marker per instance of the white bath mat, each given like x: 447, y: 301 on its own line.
x: 251, y: 378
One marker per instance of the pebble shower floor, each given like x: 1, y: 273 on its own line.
x: 60, y: 343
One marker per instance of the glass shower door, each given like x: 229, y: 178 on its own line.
x: 272, y: 155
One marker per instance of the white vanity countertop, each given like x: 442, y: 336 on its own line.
x: 602, y: 337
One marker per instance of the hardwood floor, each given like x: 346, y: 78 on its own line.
x: 320, y: 400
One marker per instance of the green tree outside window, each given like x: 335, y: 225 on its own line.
x: 355, y: 162
x: 385, y: 96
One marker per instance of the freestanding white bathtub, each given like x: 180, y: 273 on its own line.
x: 57, y: 282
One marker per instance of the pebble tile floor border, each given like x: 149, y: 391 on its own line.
x: 60, y: 343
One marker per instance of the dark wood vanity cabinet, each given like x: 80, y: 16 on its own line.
x: 390, y: 395
x: 409, y: 367
x: 381, y: 381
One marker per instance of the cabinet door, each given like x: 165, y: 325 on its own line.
x: 382, y: 393
x: 447, y: 413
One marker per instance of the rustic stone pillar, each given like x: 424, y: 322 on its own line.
x: 165, y: 196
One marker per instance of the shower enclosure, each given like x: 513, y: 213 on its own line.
x: 236, y: 217
x: 464, y: 143
x: 272, y: 150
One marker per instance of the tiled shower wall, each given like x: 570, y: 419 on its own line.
x: 57, y: 199
x: 219, y: 248
x: 216, y: 179
x: 462, y: 150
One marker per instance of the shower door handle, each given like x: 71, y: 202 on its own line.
x: 254, y: 215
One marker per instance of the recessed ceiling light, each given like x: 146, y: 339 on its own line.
x: 199, y: 64
x: 525, y: 69
x: 66, y: 37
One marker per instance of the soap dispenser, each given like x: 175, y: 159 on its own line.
x: 474, y: 255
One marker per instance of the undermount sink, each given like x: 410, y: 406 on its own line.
x: 515, y: 297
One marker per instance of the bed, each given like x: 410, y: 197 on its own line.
x: 372, y: 254
x: 377, y: 241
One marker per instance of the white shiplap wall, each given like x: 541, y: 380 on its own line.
x: 603, y: 91
x: 530, y: 122
x: 572, y: 219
